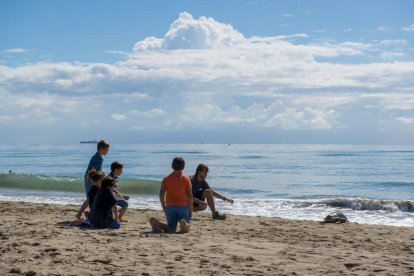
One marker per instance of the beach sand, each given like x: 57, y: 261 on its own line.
x: 36, y: 239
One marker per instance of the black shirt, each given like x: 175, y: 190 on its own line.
x: 198, y: 187
x: 91, y: 195
x: 101, y: 212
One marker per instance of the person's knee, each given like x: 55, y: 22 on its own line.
x: 208, y: 193
x: 122, y: 203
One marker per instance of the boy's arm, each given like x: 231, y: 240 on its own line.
x: 162, y: 196
x: 190, y: 201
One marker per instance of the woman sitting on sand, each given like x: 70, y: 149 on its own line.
x: 104, y: 207
x: 96, y: 178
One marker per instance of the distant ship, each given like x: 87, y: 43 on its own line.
x: 89, y: 142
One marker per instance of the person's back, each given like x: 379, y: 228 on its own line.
x: 176, y: 199
x: 176, y: 186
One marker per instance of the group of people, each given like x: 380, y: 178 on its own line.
x: 179, y: 195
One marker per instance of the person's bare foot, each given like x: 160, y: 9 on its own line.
x: 184, y: 226
x: 155, y: 224
x: 159, y: 227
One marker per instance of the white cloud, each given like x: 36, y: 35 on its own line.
x: 405, y: 120
x: 390, y: 56
x: 119, y: 117
x: 189, y: 33
x: 15, y: 51
x: 409, y: 28
x: 383, y: 29
x: 203, y: 74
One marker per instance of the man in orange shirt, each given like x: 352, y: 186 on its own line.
x: 176, y: 200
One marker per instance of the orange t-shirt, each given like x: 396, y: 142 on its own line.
x: 176, y: 186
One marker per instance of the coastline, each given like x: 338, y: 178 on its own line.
x: 37, y: 240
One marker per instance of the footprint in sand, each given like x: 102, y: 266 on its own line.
x: 178, y: 258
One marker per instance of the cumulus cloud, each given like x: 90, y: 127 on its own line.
x: 189, y: 33
x: 204, y: 74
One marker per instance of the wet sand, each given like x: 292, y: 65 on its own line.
x: 37, y: 239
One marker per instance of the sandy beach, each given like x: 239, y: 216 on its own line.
x: 37, y: 239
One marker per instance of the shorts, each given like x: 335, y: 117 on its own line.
x: 176, y: 213
x: 88, y: 186
x: 114, y: 225
x: 122, y: 203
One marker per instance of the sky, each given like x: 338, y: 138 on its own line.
x: 330, y: 72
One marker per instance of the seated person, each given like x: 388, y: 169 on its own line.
x: 96, y: 177
x: 104, y: 206
x: 203, y: 192
x: 121, y: 200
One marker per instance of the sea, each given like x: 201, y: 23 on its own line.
x: 370, y: 184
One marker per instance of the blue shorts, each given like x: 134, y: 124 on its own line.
x: 88, y: 186
x: 115, y: 225
x: 122, y: 203
x: 176, y: 213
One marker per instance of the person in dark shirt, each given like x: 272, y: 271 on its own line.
x: 203, y: 192
x: 96, y: 177
x: 104, y: 206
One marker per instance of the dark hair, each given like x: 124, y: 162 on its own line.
x: 116, y: 165
x: 200, y: 168
x: 95, y: 175
x: 178, y: 164
x: 108, y: 182
x: 102, y: 145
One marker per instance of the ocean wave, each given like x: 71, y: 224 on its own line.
x: 371, y: 204
x: 72, y: 184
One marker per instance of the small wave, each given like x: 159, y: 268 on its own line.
x: 253, y: 157
x: 371, y: 204
x: 72, y: 184
x: 339, y: 154
x: 393, y: 184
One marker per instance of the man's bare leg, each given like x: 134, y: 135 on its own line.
x: 208, y: 194
x: 155, y: 224
x: 201, y: 206
x: 158, y: 226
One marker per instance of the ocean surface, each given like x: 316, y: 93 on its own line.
x: 369, y: 184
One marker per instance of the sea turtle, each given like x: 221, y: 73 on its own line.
x: 336, y: 217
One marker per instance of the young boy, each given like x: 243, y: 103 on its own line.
x: 104, y: 206
x: 176, y: 200
x: 94, y: 164
x: 121, y: 200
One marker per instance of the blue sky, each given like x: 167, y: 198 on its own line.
x: 207, y: 71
